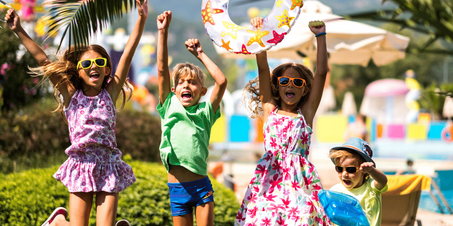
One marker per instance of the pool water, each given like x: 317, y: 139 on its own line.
x: 445, y: 183
x: 427, y: 203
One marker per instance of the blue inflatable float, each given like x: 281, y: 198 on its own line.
x: 342, y: 209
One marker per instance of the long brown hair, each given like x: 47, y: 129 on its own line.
x: 66, y: 66
x: 251, y: 95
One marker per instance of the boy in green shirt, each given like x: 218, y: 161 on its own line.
x: 186, y: 128
x: 359, y: 177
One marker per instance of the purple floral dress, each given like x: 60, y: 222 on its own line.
x: 94, y: 162
x: 284, y: 190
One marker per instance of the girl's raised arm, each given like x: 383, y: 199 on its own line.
x: 267, y: 100
x: 120, y: 76
x: 311, y: 105
x: 38, y: 54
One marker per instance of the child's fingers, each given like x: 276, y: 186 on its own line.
x: 316, y: 23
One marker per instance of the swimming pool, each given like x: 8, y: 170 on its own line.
x: 445, y: 183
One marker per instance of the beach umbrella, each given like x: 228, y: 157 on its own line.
x: 348, y: 42
x: 385, y: 101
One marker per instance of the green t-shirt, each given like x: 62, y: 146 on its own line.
x: 186, y: 133
x: 369, y: 197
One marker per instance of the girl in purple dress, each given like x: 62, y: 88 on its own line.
x: 284, y: 189
x: 86, y: 90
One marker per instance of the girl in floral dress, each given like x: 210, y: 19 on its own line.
x: 86, y: 90
x: 284, y: 190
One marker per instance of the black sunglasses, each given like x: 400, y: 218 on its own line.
x: 297, y: 82
x: 340, y: 169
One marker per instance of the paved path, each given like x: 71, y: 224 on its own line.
x: 243, y: 166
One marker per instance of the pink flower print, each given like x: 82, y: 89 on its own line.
x: 256, y: 188
x: 266, y: 222
x: 275, y: 167
x: 304, y: 139
x: 275, y: 208
x: 252, y: 224
x: 294, y: 211
x: 317, y: 187
x: 286, y: 202
x: 314, y: 195
x: 310, y: 205
x: 252, y: 212
x: 311, y: 169
x: 260, y: 170
x: 102, y: 102
x: 308, y: 181
x: 273, y: 142
x: 268, y: 157
x: 75, y: 101
x: 252, y: 198
x: 80, y: 106
x: 269, y: 197
x: 281, y: 221
x: 285, y: 173
x: 89, y: 122
x: 82, y: 112
x: 295, y: 185
x: 239, y: 217
x: 109, y: 108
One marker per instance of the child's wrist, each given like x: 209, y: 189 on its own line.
x: 319, y: 34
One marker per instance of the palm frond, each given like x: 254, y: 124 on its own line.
x: 81, y: 19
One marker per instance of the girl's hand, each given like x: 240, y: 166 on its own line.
x: 194, y: 47
x: 257, y: 22
x: 366, y: 167
x: 142, y: 8
x: 317, y: 26
x: 163, y: 20
x: 12, y: 19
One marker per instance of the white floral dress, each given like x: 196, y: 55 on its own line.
x: 284, y: 190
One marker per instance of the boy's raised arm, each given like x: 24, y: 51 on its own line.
x: 194, y: 46
x: 163, y: 23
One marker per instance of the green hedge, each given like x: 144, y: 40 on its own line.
x: 27, y: 198
x: 36, y: 138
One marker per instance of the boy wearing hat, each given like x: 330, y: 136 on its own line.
x: 359, y: 177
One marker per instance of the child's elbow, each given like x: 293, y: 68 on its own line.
x: 223, y: 82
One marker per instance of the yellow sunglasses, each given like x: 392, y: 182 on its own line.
x: 85, y: 64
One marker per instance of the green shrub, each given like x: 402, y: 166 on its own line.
x: 27, y: 198
x: 36, y: 138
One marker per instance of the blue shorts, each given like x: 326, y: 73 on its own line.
x: 184, y: 196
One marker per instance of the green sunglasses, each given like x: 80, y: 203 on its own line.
x: 85, y: 64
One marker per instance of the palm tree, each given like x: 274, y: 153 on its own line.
x: 81, y: 19
x: 431, y: 17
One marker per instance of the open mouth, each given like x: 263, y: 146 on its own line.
x: 290, y: 94
x: 347, y: 182
x: 186, y: 95
x: 94, y: 75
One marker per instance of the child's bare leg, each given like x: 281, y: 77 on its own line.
x: 106, y: 206
x: 205, y: 214
x: 79, y: 210
x: 184, y: 220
